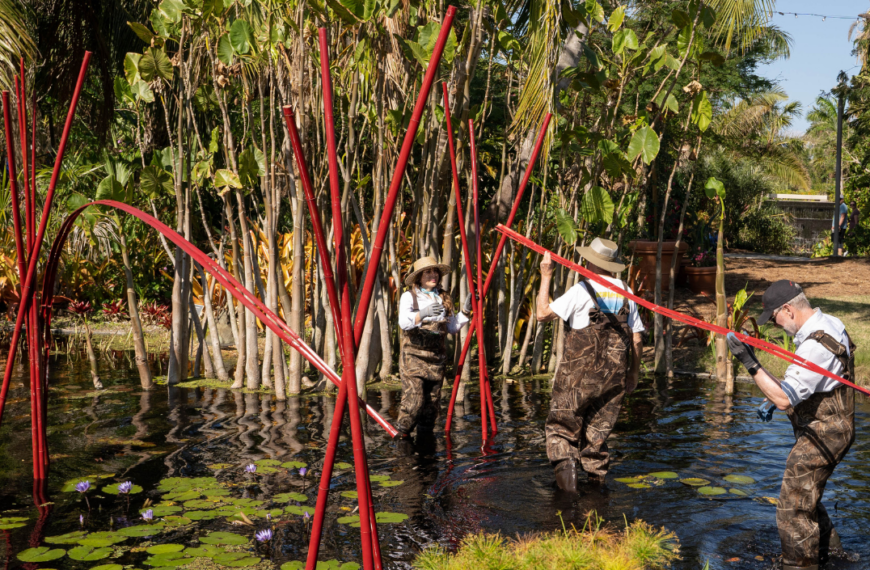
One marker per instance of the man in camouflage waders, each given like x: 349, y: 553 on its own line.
x: 426, y: 317
x: 822, y: 413
x: 594, y: 375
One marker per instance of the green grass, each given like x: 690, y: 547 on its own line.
x: 595, y: 547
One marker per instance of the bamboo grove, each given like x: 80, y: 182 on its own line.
x: 644, y: 103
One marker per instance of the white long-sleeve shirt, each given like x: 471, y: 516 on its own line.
x: 800, y: 383
x: 408, y: 317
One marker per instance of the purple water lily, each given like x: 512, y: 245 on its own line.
x: 83, y: 486
x: 306, y: 516
x: 302, y: 471
x: 125, y: 487
x: 82, y: 520
x: 264, y: 535
x: 250, y: 468
x: 268, y: 517
x: 148, y: 515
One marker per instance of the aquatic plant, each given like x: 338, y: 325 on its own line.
x: 303, y: 471
x: 83, y: 487
x: 264, y: 535
x: 148, y: 515
x: 250, y: 468
x: 124, y: 488
x: 82, y: 520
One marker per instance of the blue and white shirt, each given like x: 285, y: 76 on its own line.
x: 800, y: 383
x: 574, y: 306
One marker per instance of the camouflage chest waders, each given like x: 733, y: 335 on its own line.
x: 422, y: 365
x: 588, y: 390
x: 824, y: 427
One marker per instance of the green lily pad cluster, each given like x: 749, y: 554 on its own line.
x: 380, y: 518
x: 69, y: 486
x: 321, y: 565
x: 8, y: 523
x: 703, y: 486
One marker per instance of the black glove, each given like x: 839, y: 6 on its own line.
x: 765, y: 411
x: 745, y: 354
x: 433, y: 310
x: 466, y: 308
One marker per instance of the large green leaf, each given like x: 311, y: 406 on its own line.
x: 508, y: 42
x: 714, y: 188
x: 241, y: 36
x: 415, y: 51
x: 122, y: 90
x: 155, y: 63
x: 595, y: 10
x: 566, y: 227
x: 624, y: 39
x: 713, y: 57
x: 680, y: 18
x: 142, y: 31
x: 362, y: 9
x: 110, y: 189
x: 155, y: 182
x: 40, y: 554
x: 683, y: 40
x: 172, y: 10
x: 644, y: 143
x: 702, y: 111
x: 616, y: 18
x: 131, y: 67
x: 252, y: 165
x: 342, y: 12
x: 427, y: 37
x: 225, y: 50
x: 597, y: 206
x: 708, y: 17
x: 142, y: 92
x: 224, y: 178
x: 89, y: 553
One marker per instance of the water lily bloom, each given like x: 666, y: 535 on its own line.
x: 83, y: 486
x: 82, y: 520
x: 125, y: 487
x: 148, y: 515
x: 264, y: 535
x: 306, y: 516
x: 303, y: 471
x: 268, y: 517
x: 251, y: 468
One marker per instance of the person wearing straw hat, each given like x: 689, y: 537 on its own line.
x: 595, y: 372
x: 822, y: 414
x: 426, y: 317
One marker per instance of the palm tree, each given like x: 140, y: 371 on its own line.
x: 16, y: 41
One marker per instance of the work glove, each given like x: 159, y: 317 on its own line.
x: 765, y: 411
x: 433, y: 310
x: 466, y: 308
x: 745, y: 354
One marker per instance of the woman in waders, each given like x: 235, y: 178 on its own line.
x: 602, y: 328
x: 426, y: 316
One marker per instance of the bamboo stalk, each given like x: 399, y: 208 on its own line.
x: 478, y: 317
x: 500, y: 247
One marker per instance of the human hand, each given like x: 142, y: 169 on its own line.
x: 744, y: 353
x: 547, y: 265
x: 765, y: 410
x: 433, y: 310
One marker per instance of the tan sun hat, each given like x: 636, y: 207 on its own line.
x: 422, y: 265
x: 603, y: 253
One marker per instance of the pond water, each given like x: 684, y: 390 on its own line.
x: 685, y: 426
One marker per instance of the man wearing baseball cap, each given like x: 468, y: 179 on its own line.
x: 602, y: 329
x: 822, y: 413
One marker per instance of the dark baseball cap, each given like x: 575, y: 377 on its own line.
x: 777, y: 295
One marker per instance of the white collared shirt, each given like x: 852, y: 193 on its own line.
x: 574, y: 306
x: 800, y: 383
x: 407, y: 315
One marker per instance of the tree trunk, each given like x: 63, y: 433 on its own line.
x: 212, y: 326
x: 294, y: 380
x: 135, y: 322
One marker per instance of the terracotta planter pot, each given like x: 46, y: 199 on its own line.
x: 644, y: 274
x: 702, y: 280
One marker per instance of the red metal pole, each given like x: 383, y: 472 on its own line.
x: 500, y: 247
x: 390, y: 203
x: 463, y: 239
x: 13, y: 192
x: 481, y: 357
x: 30, y: 279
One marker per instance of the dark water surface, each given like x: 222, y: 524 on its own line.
x: 686, y: 426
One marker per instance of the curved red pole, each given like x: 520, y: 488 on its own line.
x: 390, y: 203
x: 535, y: 152
x: 30, y: 280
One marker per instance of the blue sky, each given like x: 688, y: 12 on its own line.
x: 820, y: 49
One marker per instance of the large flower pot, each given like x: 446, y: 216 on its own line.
x: 644, y: 274
x: 702, y: 280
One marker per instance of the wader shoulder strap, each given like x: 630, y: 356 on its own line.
x: 609, y: 316
x: 838, y: 350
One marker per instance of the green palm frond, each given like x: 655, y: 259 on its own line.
x: 536, y: 96
x: 745, y: 21
x: 15, y: 41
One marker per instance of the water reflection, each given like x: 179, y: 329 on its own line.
x: 449, y: 487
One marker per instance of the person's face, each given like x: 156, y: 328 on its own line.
x: 429, y: 278
x: 784, y: 317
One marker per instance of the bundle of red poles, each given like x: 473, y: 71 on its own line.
x: 27, y: 250
x: 773, y: 349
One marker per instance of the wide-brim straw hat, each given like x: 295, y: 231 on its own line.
x: 422, y: 265
x: 603, y: 253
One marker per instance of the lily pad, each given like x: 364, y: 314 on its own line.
x: 168, y: 559
x: 375, y: 478
x: 349, y: 520
x: 164, y: 548
x: 202, y: 515
x: 639, y: 486
x: 68, y: 538
x: 738, y: 492
x: 108, y: 567
x: 694, y: 482
x: 664, y: 475
x: 113, y: 489
x: 350, y: 494
x: 174, y: 522
x: 228, y: 538
x: 187, y: 495
x: 297, y: 510
x: 8, y: 523
x: 739, y: 479
x: 216, y: 492
x: 391, y: 483
x: 69, y: 486
x: 142, y: 530
x: 628, y: 480
x: 40, y: 554
x: 236, y: 559
x: 294, y: 464
x: 199, y: 504
x: 275, y: 513
x: 342, y: 465
x: 219, y: 465
x: 163, y: 510
x: 266, y: 470
x: 294, y: 565
x: 321, y: 565
x: 287, y: 497
x: 205, y: 551
x: 711, y: 490
x: 89, y: 553
x: 267, y: 462
x: 390, y: 517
